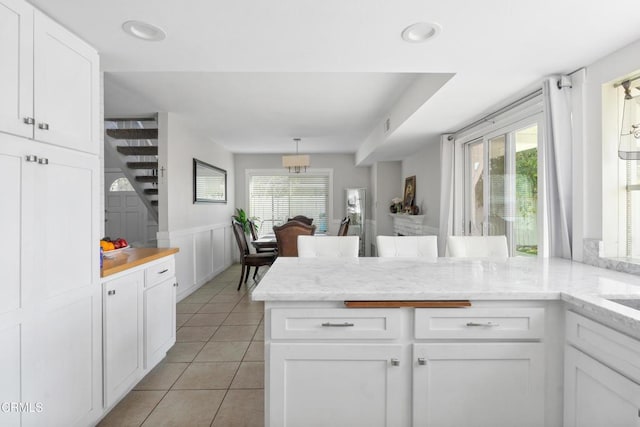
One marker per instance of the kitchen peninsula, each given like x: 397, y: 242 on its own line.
x: 537, y: 333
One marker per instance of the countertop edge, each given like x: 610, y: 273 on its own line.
x: 144, y: 255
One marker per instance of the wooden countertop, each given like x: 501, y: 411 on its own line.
x: 132, y: 257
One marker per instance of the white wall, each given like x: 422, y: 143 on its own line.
x: 345, y: 175
x: 202, y: 231
x: 425, y: 165
x: 388, y: 183
x: 597, y: 180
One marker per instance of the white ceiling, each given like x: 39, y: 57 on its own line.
x: 252, y: 74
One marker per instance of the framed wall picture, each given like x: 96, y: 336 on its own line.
x: 209, y: 183
x: 409, y: 191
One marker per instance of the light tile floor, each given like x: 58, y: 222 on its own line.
x: 214, y: 374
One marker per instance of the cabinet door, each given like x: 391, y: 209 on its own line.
x: 12, y: 194
x: 478, y: 385
x: 66, y: 88
x: 16, y: 67
x: 596, y: 395
x: 335, y: 385
x: 66, y: 233
x: 159, y: 321
x: 10, y: 391
x: 62, y: 361
x: 122, y: 332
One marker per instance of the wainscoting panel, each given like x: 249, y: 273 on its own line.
x: 204, y: 253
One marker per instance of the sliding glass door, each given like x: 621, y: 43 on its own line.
x: 501, y: 187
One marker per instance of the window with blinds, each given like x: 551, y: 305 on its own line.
x: 275, y: 198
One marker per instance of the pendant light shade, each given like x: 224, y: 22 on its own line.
x: 629, y: 148
x: 295, y: 163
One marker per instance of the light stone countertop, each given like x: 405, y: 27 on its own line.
x: 518, y: 278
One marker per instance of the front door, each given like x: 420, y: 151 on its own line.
x: 125, y: 214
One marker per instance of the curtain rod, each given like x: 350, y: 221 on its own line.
x: 630, y: 79
x: 496, y: 113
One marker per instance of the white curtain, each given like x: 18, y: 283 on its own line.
x: 446, y: 192
x: 557, y: 152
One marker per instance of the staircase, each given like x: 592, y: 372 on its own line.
x: 136, y: 143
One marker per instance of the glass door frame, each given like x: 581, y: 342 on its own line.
x: 462, y: 225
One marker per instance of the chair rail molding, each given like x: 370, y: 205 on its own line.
x: 205, y: 251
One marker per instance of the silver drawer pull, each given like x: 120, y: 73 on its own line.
x: 163, y: 271
x: 395, y: 362
x: 31, y: 158
x: 483, y: 325
x: 422, y: 361
x: 337, y: 325
x: 43, y: 126
x: 28, y: 120
x: 43, y: 161
x: 111, y: 292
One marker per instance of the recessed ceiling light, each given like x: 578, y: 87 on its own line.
x: 143, y: 31
x: 420, y: 32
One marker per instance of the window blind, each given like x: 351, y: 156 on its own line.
x: 275, y: 198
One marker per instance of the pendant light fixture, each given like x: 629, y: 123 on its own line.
x: 296, y: 162
x: 629, y: 148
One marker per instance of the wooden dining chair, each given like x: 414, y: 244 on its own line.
x: 344, y: 226
x: 248, y: 259
x: 303, y: 219
x: 287, y: 237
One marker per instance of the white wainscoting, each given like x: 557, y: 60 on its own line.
x: 204, y: 253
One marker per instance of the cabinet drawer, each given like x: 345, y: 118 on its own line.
x: 480, y: 323
x: 335, y: 323
x: 614, y: 349
x: 159, y: 272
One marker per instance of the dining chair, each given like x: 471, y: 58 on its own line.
x: 302, y: 218
x: 248, y: 259
x: 407, y: 246
x: 328, y: 246
x: 477, y: 247
x: 344, y: 226
x: 287, y: 237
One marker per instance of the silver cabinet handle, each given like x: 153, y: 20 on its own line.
x: 28, y: 120
x: 422, y: 361
x: 175, y: 285
x: 43, y: 126
x: 31, y: 158
x: 43, y: 161
x: 337, y: 325
x: 395, y: 362
x: 485, y: 325
x: 163, y: 271
x: 111, y: 292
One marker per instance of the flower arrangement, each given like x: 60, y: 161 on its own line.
x: 396, y: 205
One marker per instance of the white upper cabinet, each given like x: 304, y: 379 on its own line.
x: 65, y: 69
x: 16, y: 67
x: 51, y: 78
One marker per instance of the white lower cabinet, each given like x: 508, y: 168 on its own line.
x: 122, y: 331
x: 159, y: 321
x: 596, y: 395
x: 382, y: 367
x: 601, y: 375
x: 478, y: 384
x: 139, y: 325
x: 336, y: 385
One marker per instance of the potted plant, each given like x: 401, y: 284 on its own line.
x: 242, y: 218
